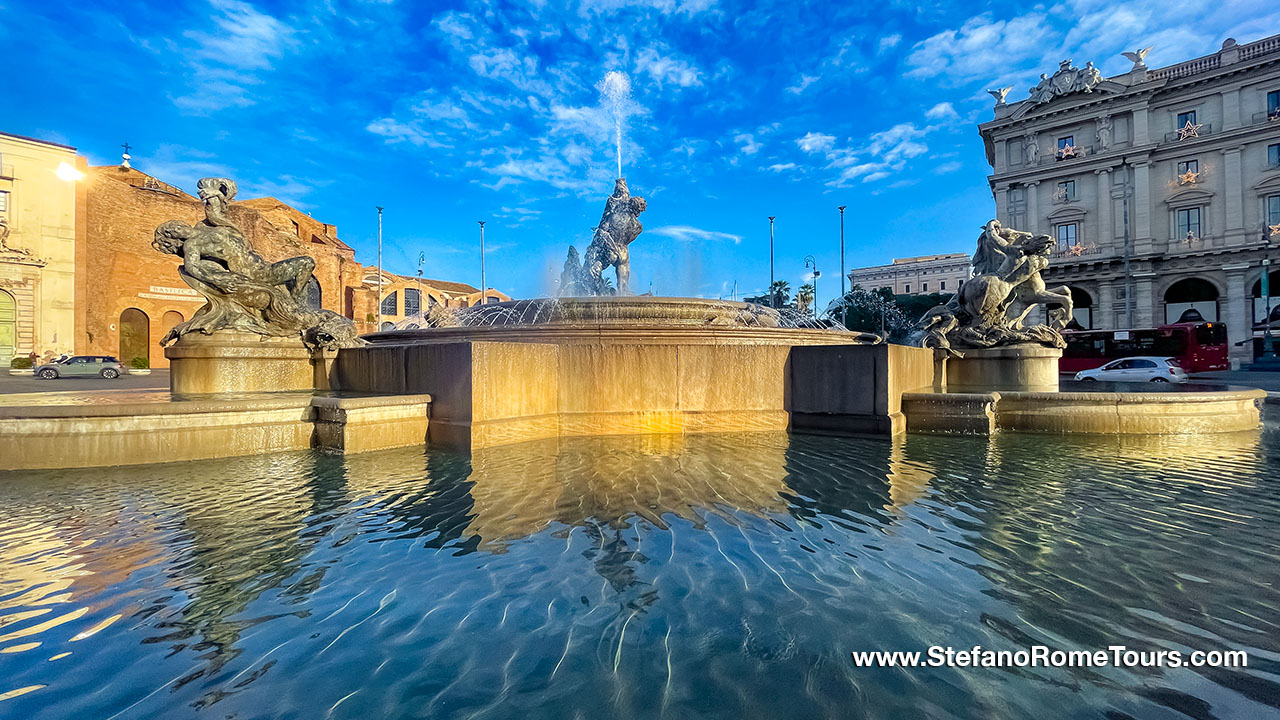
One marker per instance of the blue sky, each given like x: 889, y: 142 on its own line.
x: 449, y: 113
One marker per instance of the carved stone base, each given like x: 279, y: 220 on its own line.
x: 1032, y: 368
x: 234, y: 362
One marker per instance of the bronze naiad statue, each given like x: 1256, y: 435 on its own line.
x: 619, y: 227
x: 988, y: 310
x: 243, y: 291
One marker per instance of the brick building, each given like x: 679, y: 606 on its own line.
x: 78, y: 273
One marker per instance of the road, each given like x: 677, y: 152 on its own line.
x: 26, y: 383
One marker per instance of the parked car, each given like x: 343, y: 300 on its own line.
x: 81, y: 366
x: 1137, y: 369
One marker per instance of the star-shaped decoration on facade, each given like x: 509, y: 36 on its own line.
x: 1188, y: 178
x: 1274, y: 230
x: 1066, y: 151
x: 1076, y: 250
x: 1190, y: 238
x: 1190, y: 130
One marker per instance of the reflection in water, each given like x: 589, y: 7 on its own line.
x: 659, y: 576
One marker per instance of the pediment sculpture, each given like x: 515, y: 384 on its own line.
x: 1066, y: 81
x: 243, y: 291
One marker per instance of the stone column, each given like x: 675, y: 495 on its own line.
x: 1144, y: 304
x: 1231, y: 109
x: 1234, y: 311
x: 1000, y: 193
x: 1141, y: 210
x: 1106, y: 227
x: 1104, y: 306
x: 1141, y: 133
x: 1033, y: 208
x: 1233, y: 191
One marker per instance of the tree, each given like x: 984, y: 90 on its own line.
x: 804, y: 298
x: 870, y: 311
x: 780, y: 290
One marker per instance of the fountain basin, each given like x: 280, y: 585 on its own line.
x: 1140, y: 410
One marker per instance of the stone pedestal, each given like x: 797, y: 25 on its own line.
x: 234, y: 362
x: 1028, y: 368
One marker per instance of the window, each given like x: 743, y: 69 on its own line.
x: 1067, y: 233
x: 412, y: 301
x: 924, y: 287
x: 297, y: 231
x: 1273, y: 104
x: 389, y: 304
x: 1186, y: 118
x: 1273, y: 155
x: 1188, y: 166
x: 1273, y: 210
x: 942, y: 284
x: 906, y: 288
x: 1189, y: 222
x: 1017, y: 207
x: 1067, y: 190
x: 4, y: 201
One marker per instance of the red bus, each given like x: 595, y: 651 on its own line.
x: 1197, y: 346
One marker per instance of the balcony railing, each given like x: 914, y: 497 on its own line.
x: 1265, y: 117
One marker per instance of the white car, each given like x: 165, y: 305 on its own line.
x: 1137, y: 369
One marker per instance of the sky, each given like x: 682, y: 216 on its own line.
x: 447, y: 114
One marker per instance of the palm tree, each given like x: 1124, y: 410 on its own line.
x: 804, y: 298
x: 780, y: 293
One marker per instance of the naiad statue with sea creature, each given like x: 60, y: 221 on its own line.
x: 243, y: 291
x: 989, y: 309
x: 619, y: 227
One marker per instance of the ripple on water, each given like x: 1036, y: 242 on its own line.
x: 666, y: 576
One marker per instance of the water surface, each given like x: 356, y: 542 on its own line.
x: 657, y: 577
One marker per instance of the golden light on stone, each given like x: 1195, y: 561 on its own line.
x: 1190, y: 130
x: 1188, y: 178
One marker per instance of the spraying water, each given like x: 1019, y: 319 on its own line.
x: 615, y: 88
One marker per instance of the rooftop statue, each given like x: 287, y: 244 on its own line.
x: 619, y: 227
x: 244, y: 292
x: 989, y: 309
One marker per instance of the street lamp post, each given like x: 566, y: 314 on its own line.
x: 772, y: 299
x: 379, y: 270
x: 422, y: 257
x: 482, y: 281
x: 842, y: 250
x: 811, y: 262
x: 1268, y: 343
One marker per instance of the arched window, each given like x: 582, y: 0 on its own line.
x: 313, y: 293
x: 1260, y: 303
x: 389, y: 304
x: 412, y: 301
x: 1191, y: 300
x: 135, y: 336
x: 387, y: 325
x: 8, y: 328
x: 170, y: 319
x: 1082, y: 315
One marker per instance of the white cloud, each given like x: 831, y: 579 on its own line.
x: 813, y: 142
x: 666, y: 68
x: 804, y: 82
x: 782, y: 167
x: 748, y: 143
x: 948, y: 167
x: 888, y: 42
x: 224, y: 63
x: 687, y: 233
x: 981, y: 48
x: 941, y: 111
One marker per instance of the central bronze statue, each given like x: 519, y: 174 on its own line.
x: 619, y: 227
